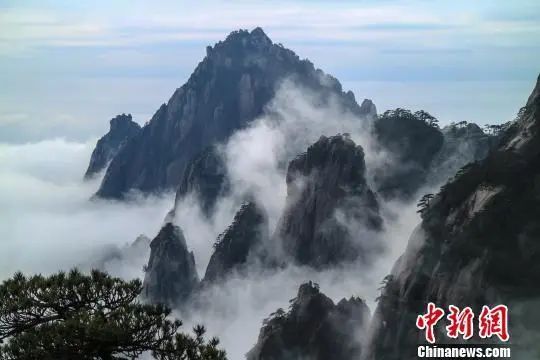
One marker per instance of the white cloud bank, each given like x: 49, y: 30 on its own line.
x: 46, y: 220
x: 255, y: 158
x: 47, y: 223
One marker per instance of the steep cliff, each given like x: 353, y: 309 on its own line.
x: 229, y: 88
x: 478, y: 244
x: 241, y: 239
x: 314, y: 328
x: 206, y: 178
x: 331, y: 214
x: 171, y: 275
x: 122, y: 128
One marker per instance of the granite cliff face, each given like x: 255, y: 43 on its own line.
x: 122, y: 128
x: 314, y: 328
x: 229, y: 88
x: 327, y: 192
x: 206, y: 178
x: 244, y: 237
x: 171, y: 275
x: 478, y: 244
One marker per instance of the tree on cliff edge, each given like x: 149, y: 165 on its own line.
x: 81, y: 317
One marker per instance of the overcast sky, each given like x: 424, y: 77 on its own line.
x: 67, y: 67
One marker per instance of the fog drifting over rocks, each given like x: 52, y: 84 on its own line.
x: 49, y: 224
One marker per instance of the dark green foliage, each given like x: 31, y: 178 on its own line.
x: 78, y: 317
x: 419, y: 115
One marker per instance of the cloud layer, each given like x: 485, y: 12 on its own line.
x: 47, y: 222
x: 255, y: 160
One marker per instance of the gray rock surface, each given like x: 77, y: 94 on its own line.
x: 238, y: 246
x: 331, y: 215
x: 122, y: 128
x: 171, y: 275
x: 205, y: 177
x: 314, y: 328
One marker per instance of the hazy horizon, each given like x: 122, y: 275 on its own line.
x: 68, y: 68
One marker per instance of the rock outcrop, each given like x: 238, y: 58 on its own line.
x: 331, y: 214
x: 229, y: 88
x: 478, y: 244
x: 411, y: 144
x: 122, y: 128
x: 242, y: 239
x: 171, y: 275
x: 206, y: 178
x: 314, y: 328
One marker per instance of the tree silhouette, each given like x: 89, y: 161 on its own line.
x: 78, y: 317
x: 427, y: 118
x: 424, y: 203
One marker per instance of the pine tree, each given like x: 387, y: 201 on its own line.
x: 81, y: 317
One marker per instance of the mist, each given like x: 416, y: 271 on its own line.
x: 49, y: 224
x: 256, y: 160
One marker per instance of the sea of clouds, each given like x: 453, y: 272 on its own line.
x: 47, y: 222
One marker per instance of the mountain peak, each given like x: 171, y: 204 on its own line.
x: 122, y: 121
x: 259, y: 34
x: 122, y: 128
x: 241, y: 42
x: 229, y: 88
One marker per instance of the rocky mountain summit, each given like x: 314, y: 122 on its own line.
x: 327, y: 192
x: 313, y: 328
x: 171, y: 275
x: 478, y: 244
x: 122, y: 128
x: 229, y: 88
